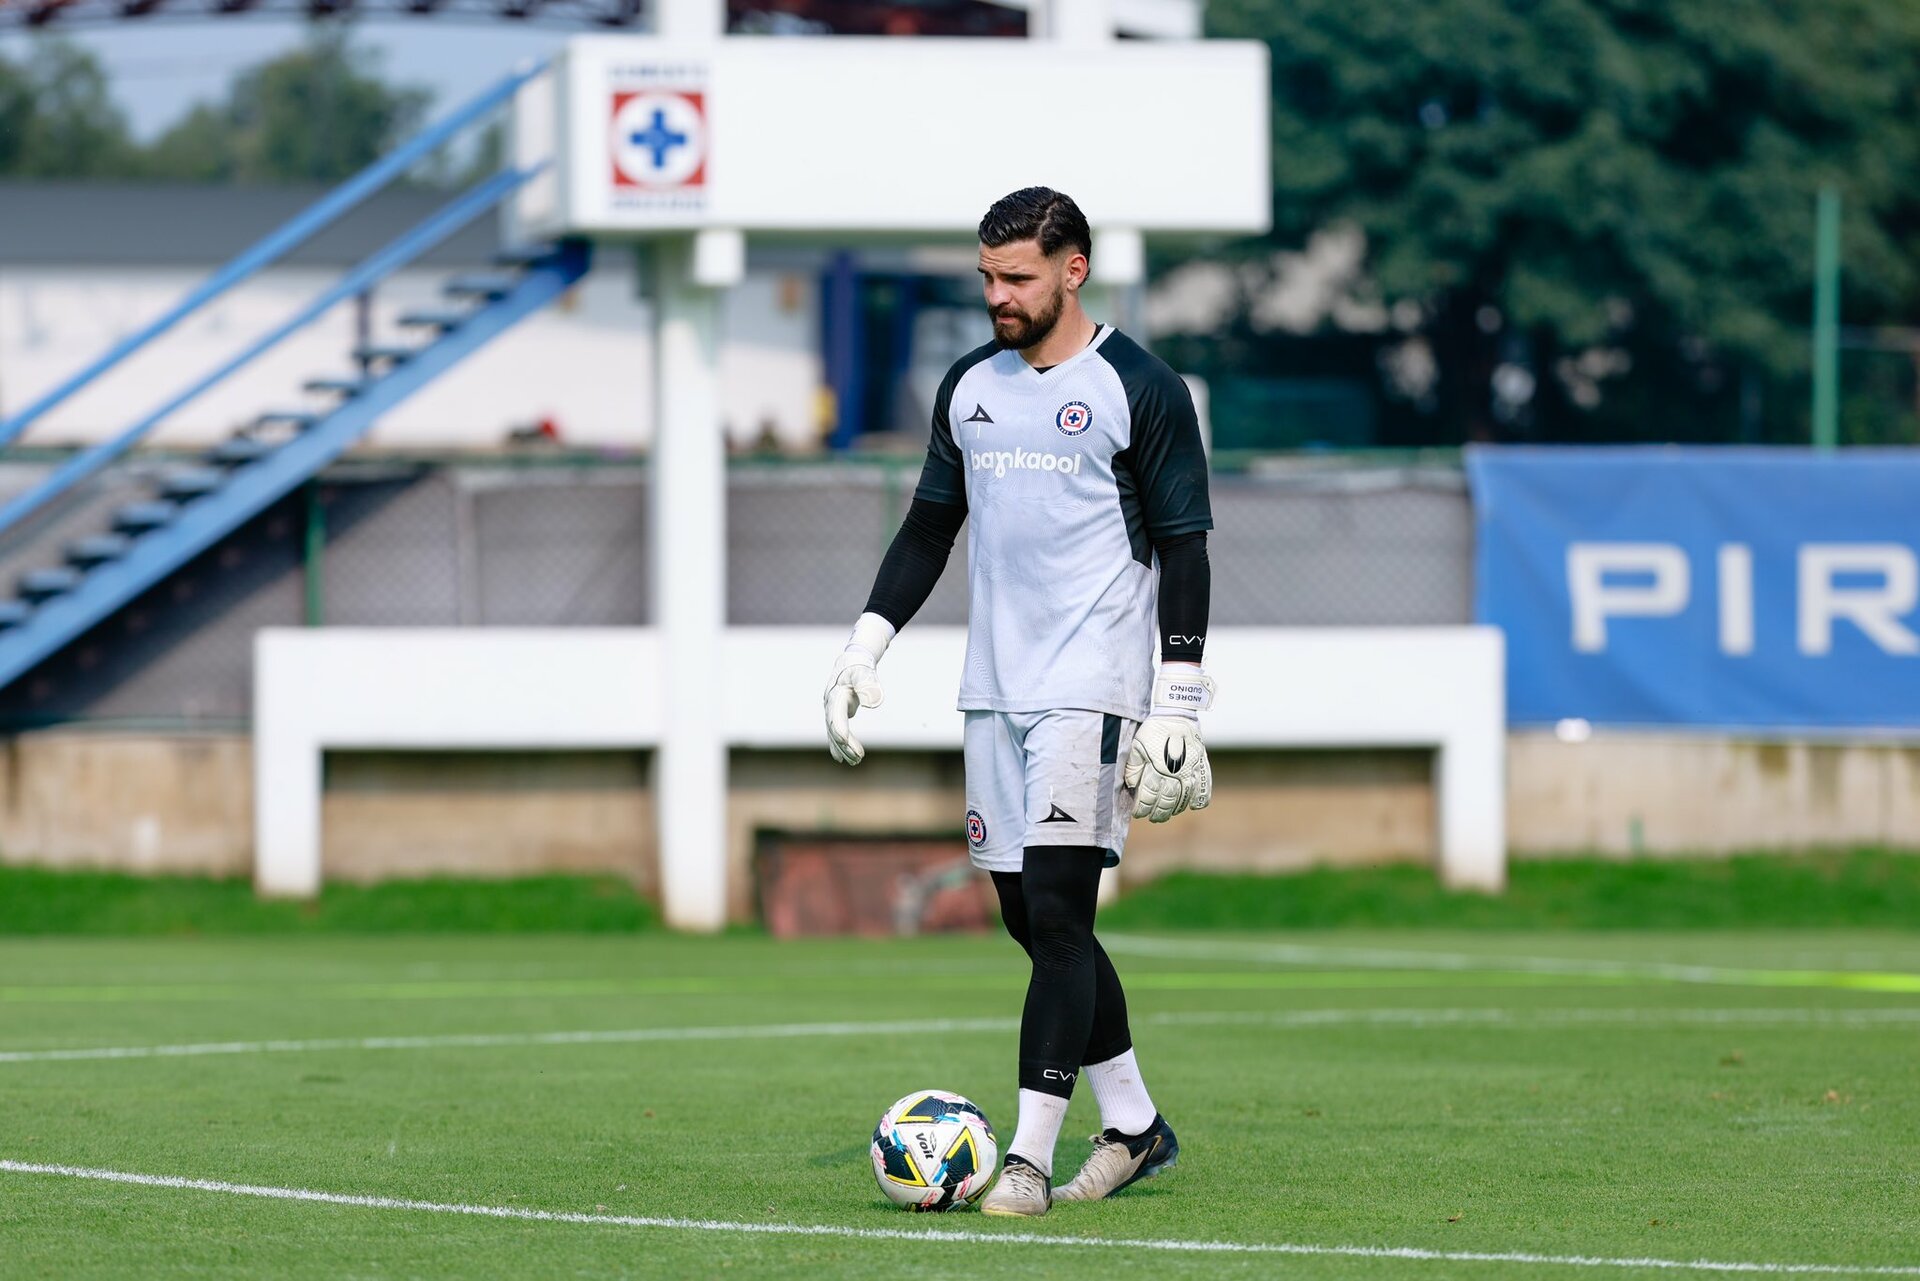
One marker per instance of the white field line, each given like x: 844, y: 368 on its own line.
x: 1170, y: 1246
x: 1518, y: 1020
x: 1415, y: 959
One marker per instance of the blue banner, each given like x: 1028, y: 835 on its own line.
x: 1736, y: 588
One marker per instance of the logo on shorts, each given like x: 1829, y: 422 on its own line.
x: 976, y: 828
x: 1074, y: 417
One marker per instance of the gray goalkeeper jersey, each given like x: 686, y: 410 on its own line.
x: 1069, y: 477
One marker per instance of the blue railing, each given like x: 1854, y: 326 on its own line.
x: 279, y: 243
x: 376, y: 267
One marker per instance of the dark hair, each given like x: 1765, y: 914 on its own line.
x: 1037, y: 213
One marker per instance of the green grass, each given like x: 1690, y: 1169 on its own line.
x: 1750, y: 1097
x: 1828, y: 889
x: 1824, y: 889
x: 39, y: 901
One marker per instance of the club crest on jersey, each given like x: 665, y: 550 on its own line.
x: 976, y: 828
x: 1074, y: 417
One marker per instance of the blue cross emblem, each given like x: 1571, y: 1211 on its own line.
x: 658, y: 139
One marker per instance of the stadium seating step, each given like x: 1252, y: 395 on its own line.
x: 97, y: 549
x: 237, y: 451
x: 433, y: 319
x: 138, y: 518
x: 478, y: 285
x: 187, y: 483
x: 389, y: 354
x: 41, y: 584
x: 347, y: 387
x: 297, y: 419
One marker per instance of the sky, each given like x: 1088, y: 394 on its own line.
x: 160, y: 70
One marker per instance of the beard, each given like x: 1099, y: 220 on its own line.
x: 1016, y: 330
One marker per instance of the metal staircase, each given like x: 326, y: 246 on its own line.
x: 108, y: 550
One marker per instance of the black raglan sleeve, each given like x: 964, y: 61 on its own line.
x: 918, y: 555
x: 1163, y: 474
x: 944, y: 478
x: 1166, y: 458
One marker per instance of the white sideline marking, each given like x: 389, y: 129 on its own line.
x: 489, y: 1040
x: 1518, y: 1020
x: 1413, y: 959
x: 938, y: 1234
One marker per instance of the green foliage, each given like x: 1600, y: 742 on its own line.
x: 39, y: 902
x: 320, y: 114
x: 1629, y: 172
x: 57, y: 119
x: 1835, y: 888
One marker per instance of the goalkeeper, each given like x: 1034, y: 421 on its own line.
x: 1078, y: 457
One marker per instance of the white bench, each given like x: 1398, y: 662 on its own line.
x: 572, y: 688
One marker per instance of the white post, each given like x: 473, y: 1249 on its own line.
x: 1082, y: 23
x: 287, y: 778
x: 1470, y: 778
x: 689, y: 560
x: 684, y: 21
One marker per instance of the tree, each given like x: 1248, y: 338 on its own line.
x: 319, y: 114
x: 1570, y: 176
x: 57, y: 119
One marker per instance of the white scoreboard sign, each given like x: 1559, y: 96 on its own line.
x: 912, y: 135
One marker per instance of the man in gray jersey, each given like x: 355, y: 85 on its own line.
x: 1078, y: 457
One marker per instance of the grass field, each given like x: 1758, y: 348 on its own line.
x: 1626, y: 1100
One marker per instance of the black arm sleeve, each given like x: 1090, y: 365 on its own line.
x: 913, y: 563
x: 944, y: 478
x: 1186, y: 590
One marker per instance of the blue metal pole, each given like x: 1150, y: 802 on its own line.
x: 841, y: 285
x: 277, y: 244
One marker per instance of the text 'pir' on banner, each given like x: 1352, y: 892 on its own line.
x: 1744, y: 588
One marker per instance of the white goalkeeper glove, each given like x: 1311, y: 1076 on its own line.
x: 1167, y: 768
x: 855, y: 684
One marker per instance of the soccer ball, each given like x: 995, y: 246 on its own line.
x: 934, y: 1151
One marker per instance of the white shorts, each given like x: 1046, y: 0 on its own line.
x: 1045, y: 778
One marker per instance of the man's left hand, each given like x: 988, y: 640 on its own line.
x: 1167, y: 768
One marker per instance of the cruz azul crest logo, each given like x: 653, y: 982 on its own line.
x: 659, y: 139
x: 1074, y: 417
x: 976, y: 828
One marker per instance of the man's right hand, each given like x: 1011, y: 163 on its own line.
x: 855, y: 683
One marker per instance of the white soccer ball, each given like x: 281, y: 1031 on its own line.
x: 934, y: 1150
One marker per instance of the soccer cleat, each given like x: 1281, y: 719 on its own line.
x: 1021, y: 1190
x: 1119, y: 1160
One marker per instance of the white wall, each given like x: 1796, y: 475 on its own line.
x: 323, y: 688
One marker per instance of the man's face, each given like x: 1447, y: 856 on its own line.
x: 1026, y: 290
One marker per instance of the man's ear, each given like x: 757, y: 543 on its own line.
x: 1077, y: 270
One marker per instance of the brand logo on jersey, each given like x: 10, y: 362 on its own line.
x: 976, y: 828
x: 1074, y: 417
x: 1002, y: 461
x: 1058, y: 815
x: 980, y: 414
x: 1176, y: 639
x: 1054, y: 1074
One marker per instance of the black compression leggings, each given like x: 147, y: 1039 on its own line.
x: 1076, y: 1011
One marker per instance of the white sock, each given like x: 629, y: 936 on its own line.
x: 1122, y: 1095
x: 1041, y: 1116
